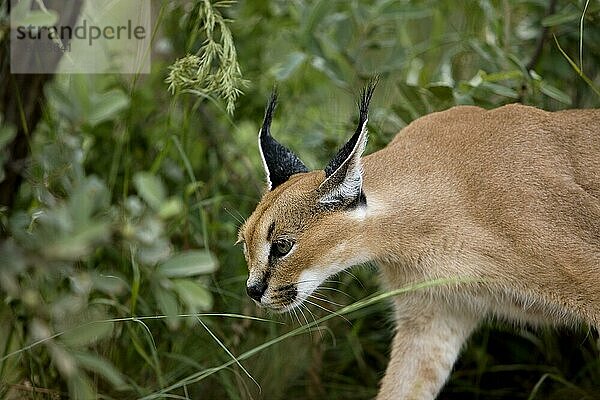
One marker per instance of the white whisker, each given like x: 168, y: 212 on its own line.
x: 303, y: 316
x: 335, y: 290
x: 296, y: 316
x: 318, y: 328
x: 354, y: 277
x: 314, y: 296
x: 238, y: 218
x: 328, y: 310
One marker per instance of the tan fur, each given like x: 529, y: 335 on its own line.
x: 508, y: 197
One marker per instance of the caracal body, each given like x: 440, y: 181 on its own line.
x: 506, y: 202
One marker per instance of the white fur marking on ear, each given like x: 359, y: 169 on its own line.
x: 359, y: 213
x: 352, y: 183
x: 349, y: 188
x: 264, y: 161
x: 373, y: 207
x: 361, y: 142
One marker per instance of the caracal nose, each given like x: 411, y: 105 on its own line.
x: 256, y: 290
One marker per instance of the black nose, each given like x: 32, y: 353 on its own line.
x: 256, y: 290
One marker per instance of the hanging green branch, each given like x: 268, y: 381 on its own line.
x: 214, y: 69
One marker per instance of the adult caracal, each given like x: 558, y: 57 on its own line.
x: 508, y: 198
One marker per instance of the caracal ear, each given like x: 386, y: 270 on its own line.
x: 343, y: 175
x: 280, y: 162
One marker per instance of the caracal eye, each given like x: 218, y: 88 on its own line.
x: 282, y: 247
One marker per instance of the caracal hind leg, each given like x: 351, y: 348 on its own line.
x: 428, y: 340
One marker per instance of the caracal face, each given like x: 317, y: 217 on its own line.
x: 292, y: 243
x: 300, y: 232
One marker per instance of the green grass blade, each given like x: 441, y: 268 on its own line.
x: 577, y: 69
x: 374, y: 299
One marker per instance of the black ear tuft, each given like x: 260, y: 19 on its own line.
x: 363, y: 111
x: 280, y: 162
x: 343, y: 175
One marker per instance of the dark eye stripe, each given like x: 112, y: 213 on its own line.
x: 270, y: 231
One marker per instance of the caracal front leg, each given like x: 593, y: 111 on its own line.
x: 428, y: 339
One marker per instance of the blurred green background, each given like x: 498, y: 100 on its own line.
x: 118, y: 274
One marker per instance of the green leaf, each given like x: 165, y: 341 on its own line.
x: 324, y: 66
x: 195, y: 296
x: 100, y: 366
x: 559, y: 19
x: 62, y: 359
x: 441, y: 91
x: 87, y: 334
x: 504, y: 75
x: 463, y: 98
x: 290, y: 65
x: 110, y: 284
x: 63, y: 101
x: 411, y: 103
x: 82, y: 91
x: 80, y: 387
x: 167, y: 304
x: 19, y: 11
x: 107, y: 105
x: 86, y: 199
x: 7, y: 134
x: 189, y: 263
x: 403, y: 10
x: 79, y: 243
x: 150, y: 188
x: 555, y: 93
x: 313, y: 18
x: 500, y: 90
x: 193, y: 187
x: 13, y: 256
x: 36, y: 18
x: 170, y: 208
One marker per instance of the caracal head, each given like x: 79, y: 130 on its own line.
x: 302, y: 230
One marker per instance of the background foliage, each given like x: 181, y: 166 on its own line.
x: 118, y: 273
